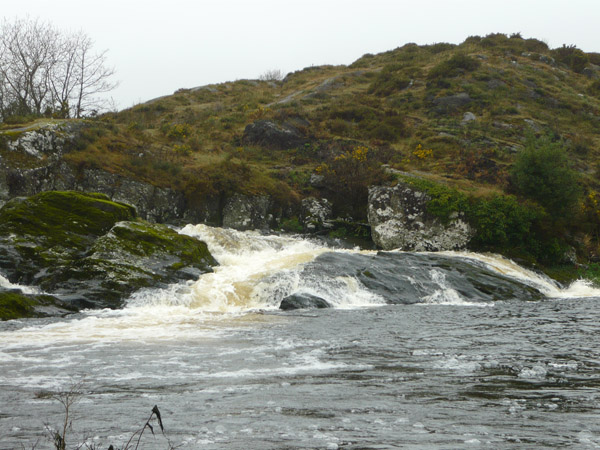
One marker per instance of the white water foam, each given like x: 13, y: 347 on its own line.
x: 257, y: 271
x: 4, y: 283
x: 446, y: 295
x: 547, y: 286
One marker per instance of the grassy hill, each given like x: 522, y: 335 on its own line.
x: 458, y: 116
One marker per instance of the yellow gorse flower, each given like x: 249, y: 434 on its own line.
x: 422, y: 153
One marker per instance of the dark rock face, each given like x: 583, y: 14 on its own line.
x: 152, y: 203
x: 451, y: 103
x: 271, y: 135
x: 303, y: 301
x: 88, y: 250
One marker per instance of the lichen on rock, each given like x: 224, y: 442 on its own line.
x: 399, y: 220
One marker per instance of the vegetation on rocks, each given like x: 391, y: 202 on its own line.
x: 17, y: 305
x: 501, y: 126
x: 88, y: 251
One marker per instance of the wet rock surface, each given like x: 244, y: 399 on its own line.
x: 90, y: 251
x: 303, y: 301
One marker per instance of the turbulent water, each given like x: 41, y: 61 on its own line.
x: 452, y: 350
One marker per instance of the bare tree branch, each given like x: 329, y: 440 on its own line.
x: 43, y: 70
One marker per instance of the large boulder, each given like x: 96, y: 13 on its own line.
x: 245, y: 212
x: 42, y: 233
x: 271, y: 135
x: 399, y: 220
x: 90, y: 251
x: 132, y: 255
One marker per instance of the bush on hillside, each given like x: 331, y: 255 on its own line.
x: 541, y: 172
x: 502, y: 222
x: 391, y: 79
x: 347, y: 178
x: 569, y: 55
x: 456, y: 65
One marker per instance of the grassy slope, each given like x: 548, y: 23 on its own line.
x: 192, y: 140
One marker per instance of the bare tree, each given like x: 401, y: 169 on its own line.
x: 80, y: 76
x: 271, y: 75
x: 43, y: 70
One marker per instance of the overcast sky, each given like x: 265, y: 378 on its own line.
x: 158, y: 47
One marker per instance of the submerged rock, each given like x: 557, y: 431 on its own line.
x: 303, y: 301
x: 399, y: 219
x: 406, y: 278
x: 89, y: 251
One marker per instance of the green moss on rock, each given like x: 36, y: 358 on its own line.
x: 131, y: 256
x: 47, y: 230
x: 63, y: 218
x: 90, y: 251
x: 16, y: 305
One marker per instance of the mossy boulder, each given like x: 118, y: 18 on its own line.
x: 14, y: 304
x: 132, y: 255
x: 43, y: 233
x: 90, y: 251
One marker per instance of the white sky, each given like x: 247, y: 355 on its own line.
x: 158, y: 47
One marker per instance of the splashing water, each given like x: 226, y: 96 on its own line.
x: 550, y: 288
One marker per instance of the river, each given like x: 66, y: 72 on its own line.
x: 424, y: 351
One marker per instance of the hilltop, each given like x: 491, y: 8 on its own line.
x: 452, y: 119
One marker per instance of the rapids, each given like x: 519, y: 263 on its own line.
x: 418, y: 350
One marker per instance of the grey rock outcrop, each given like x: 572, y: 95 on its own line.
x: 271, y: 135
x: 451, y: 103
x: 399, y: 220
x: 153, y: 203
x: 315, y: 213
x: 244, y: 212
x: 468, y: 117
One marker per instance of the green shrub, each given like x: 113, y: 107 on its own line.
x: 445, y: 201
x: 541, y: 172
x: 494, y: 40
x: 456, y: 65
x: 501, y: 221
x: 178, y: 131
x: 391, y: 79
x: 439, y: 47
x: 591, y: 272
x: 594, y: 88
x: 572, y: 57
x: 347, y: 178
x: 291, y: 225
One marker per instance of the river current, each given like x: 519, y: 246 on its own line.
x: 418, y: 350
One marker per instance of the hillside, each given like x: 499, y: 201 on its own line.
x: 455, y: 116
